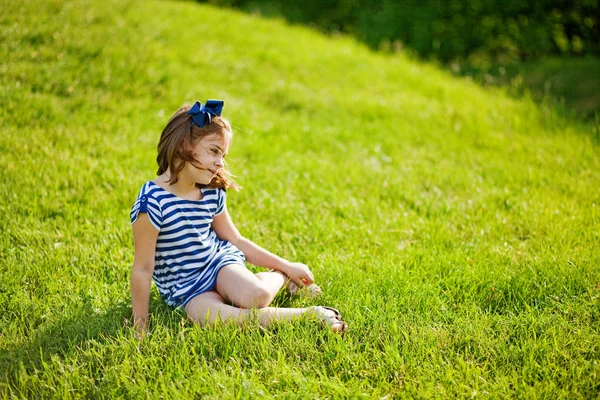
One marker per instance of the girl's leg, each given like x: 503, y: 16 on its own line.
x: 244, y: 289
x: 273, y: 281
x: 210, y: 306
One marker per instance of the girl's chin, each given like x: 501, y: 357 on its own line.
x: 204, y: 180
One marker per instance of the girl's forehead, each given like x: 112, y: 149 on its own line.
x: 218, y: 139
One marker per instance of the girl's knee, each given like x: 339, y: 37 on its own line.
x: 196, y: 313
x: 197, y: 318
x: 256, y: 296
x: 198, y: 310
x: 263, y: 296
x: 204, y: 316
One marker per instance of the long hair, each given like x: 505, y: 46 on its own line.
x: 176, y: 143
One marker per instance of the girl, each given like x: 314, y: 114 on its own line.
x: 185, y: 239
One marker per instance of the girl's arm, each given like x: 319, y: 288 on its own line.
x: 226, y: 230
x: 144, y: 236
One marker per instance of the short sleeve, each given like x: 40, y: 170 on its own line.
x: 221, y: 198
x: 146, y: 203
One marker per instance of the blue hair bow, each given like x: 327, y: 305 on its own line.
x: 202, y: 113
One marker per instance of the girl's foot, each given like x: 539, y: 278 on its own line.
x: 331, y: 318
x: 311, y: 291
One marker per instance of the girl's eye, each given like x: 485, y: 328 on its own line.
x: 216, y: 152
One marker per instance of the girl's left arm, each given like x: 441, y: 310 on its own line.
x: 226, y: 230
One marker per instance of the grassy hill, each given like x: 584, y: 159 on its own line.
x: 456, y: 229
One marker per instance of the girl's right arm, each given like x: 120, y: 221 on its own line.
x: 144, y: 236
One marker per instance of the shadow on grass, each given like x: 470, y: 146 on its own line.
x: 83, y: 326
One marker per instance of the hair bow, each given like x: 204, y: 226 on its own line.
x: 202, y: 113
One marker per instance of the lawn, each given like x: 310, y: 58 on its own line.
x: 456, y: 228
x: 570, y: 85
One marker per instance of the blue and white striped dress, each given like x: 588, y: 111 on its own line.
x: 188, y: 254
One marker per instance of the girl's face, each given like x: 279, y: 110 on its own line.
x: 210, y: 153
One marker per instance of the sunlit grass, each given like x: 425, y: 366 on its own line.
x: 455, y: 228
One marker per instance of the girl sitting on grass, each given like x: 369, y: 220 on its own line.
x: 185, y: 239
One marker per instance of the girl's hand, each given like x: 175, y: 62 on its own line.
x: 299, y: 274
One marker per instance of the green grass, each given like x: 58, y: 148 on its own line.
x: 456, y: 228
x: 571, y: 85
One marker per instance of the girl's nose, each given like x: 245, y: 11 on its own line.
x: 219, y: 162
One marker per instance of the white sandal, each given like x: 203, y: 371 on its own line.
x: 324, y: 314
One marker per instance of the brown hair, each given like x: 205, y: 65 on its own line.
x: 180, y: 136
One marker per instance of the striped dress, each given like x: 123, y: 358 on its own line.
x: 188, y: 252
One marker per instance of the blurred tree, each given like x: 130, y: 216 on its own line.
x: 472, y: 30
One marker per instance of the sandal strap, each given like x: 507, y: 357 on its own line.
x: 338, y: 315
x: 330, y: 320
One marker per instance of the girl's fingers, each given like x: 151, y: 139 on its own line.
x: 308, y: 280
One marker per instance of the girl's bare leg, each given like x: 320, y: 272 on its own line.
x: 273, y: 281
x: 236, y: 284
x: 210, y: 306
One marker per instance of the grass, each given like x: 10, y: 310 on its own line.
x: 568, y: 84
x: 456, y: 228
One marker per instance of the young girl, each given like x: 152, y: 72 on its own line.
x: 185, y: 239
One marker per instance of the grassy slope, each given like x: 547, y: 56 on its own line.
x: 456, y: 229
x: 572, y: 84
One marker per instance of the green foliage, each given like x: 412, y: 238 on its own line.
x: 455, y: 228
x: 451, y: 29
